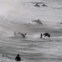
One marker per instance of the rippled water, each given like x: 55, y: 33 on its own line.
x: 32, y: 49
x: 40, y: 50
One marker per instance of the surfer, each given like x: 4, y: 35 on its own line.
x: 37, y: 5
x: 23, y: 34
x: 46, y: 34
x: 37, y: 21
x: 18, y: 58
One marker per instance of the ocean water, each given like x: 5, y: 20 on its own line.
x: 31, y: 48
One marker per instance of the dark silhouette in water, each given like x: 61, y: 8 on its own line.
x: 41, y: 35
x: 18, y: 58
x: 46, y: 34
x: 23, y: 34
x: 37, y: 5
x: 37, y: 21
x: 44, y: 5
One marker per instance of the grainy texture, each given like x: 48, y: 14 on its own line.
x: 17, y: 16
